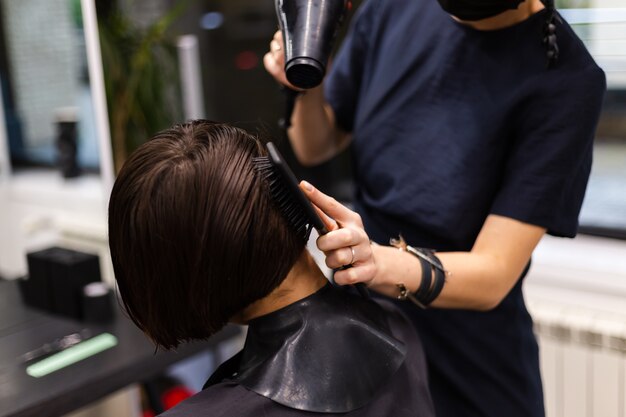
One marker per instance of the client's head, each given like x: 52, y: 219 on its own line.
x: 193, y: 233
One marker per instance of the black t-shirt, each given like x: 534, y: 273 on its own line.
x: 449, y: 125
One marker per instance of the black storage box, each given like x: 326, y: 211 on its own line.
x: 56, y: 280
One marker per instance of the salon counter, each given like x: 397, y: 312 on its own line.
x: 132, y: 360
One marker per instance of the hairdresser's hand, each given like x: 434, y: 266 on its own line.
x: 346, y: 243
x: 274, y: 61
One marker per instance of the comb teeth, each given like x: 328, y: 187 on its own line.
x: 288, y: 205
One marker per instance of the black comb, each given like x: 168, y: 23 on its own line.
x: 287, y: 194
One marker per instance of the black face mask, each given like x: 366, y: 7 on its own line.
x: 477, y: 9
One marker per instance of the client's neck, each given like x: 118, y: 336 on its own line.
x: 303, y: 279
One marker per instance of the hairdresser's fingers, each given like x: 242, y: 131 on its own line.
x: 276, y: 44
x: 348, y: 245
x: 345, y: 237
x: 274, y: 65
x: 277, y: 50
x: 338, y: 258
x: 278, y: 36
x: 364, y: 273
x: 276, y: 68
x: 356, y: 255
x: 274, y: 61
x: 345, y: 246
x: 328, y: 222
x: 330, y: 206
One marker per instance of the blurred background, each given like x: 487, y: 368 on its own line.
x: 84, y: 82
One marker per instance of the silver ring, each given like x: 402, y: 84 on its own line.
x: 351, y: 260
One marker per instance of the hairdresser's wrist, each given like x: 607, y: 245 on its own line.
x: 394, y: 266
x: 315, y: 94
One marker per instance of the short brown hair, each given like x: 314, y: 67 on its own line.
x: 193, y: 233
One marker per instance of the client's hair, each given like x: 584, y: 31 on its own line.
x: 193, y: 233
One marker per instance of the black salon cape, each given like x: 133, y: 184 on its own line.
x: 450, y: 125
x: 405, y: 394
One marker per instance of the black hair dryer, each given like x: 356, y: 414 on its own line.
x: 309, y: 28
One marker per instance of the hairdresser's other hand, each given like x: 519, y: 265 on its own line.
x: 346, y: 243
x: 274, y: 61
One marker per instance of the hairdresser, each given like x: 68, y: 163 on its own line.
x: 471, y: 124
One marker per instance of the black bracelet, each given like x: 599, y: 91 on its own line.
x: 433, y: 275
x: 406, y: 294
x: 426, y: 279
x: 436, y: 268
x: 440, y: 279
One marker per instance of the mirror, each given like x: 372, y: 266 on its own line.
x: 47, y: 97
x: 55, y: 153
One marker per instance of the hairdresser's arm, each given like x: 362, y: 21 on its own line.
x: 313, y: 133
x: 478, y: 279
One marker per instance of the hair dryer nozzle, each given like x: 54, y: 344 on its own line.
x: 305, y: 72
x: 309, y: 28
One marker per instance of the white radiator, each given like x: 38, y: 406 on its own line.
x: 583, y: 359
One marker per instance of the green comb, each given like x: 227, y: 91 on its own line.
x: 71, y: 355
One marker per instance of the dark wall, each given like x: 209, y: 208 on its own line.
x: 237, y: 88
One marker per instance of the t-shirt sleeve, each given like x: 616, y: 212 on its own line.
x: 341, y: 87
x: 550, y: 158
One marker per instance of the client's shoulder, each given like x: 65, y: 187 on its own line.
x: 228, y: 400
x: 220, y: 400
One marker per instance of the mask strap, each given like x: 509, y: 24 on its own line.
x: 549, y: 33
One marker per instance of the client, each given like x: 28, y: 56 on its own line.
x: 197, y: 241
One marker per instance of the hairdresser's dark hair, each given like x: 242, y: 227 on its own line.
x: 193, y: 233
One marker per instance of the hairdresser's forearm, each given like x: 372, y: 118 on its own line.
x: 314, y: 135
x: 477, y: 280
